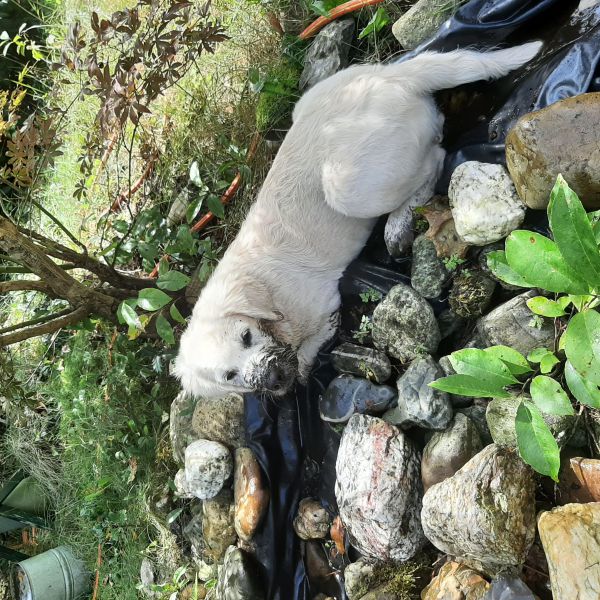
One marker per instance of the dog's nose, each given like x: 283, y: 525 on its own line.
x: 276, y: 379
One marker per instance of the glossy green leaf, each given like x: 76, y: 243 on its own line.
x: 537, y: 445
x: 580, y: 301
x: 573, y: 233
x: 152, y: 299
x: 467, y: 385
x: 482, y: 365
x: 216, y: 206
x: 548, y: 362
x: 174, y: 515
x: 514, y: 360
x: 538, y: 260
x: 163, y: 267
x: 496, y: 262
x: 164, y: 330
x: 547, y: 394
x: 582, y: 344
x: 378, y: 21
x: 536, y: 355
x: 126, y: 314
x: 175, y: 314
x: 172, y: 281
x: 584, y: 391
x: 545, y: 307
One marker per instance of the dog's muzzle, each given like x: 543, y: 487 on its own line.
x: 276, y: 371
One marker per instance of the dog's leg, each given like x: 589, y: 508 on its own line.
x: 310, y: 347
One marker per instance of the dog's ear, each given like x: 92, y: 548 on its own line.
x: 252, y: 299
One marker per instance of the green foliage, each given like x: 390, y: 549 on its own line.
x: 371, y: 295
x: 364, y: 330
x: 453, y: 262
x: 568, y: 267
x: 377, y: 22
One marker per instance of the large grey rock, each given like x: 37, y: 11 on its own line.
x: 511, y: 324
x: 347, y: 395
x: 484, y: 203
x: 571, y: 539
x: 361, y: 361
x: 378, y: 489
x: 180, y: 425
x: 428, y: 273
x: 208, y: 465
x: 476, y: 412
x: 447, y: 451
x: 418, y: 403
x: 501, y: 414
x: 239, y: 577
x: 404, y: 325
x: 218, y: 531
x: 422, y: 20
x: 561, y: 138
x: 328, y: 52
x: 485, y: 513
x: 220, y: 420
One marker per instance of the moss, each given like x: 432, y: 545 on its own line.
x: 471, y: 294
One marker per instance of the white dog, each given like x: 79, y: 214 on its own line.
x: 364, y: 142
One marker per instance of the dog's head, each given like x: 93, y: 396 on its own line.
x: 225, y: 351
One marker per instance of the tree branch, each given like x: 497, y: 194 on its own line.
x: 36, y: 321
x: 29, y: 330
x: 25, y: 285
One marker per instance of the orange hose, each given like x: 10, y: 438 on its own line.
x: 334, y: 13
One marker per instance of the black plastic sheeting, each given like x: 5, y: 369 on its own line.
x: 294, y: 447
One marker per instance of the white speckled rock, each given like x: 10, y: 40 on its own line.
x: 379, y: 490
x: 484, y: 203
x: 355, y: 576
x: 208, y: 465
x: 485, y: 513
x: 571, y: 539
x: 182, y: 489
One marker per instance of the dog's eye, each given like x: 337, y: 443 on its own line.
x: 247, y: 338
x: 230, y: 375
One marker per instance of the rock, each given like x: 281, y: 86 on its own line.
x: 447, y: 451
x: 509, y: 588
x: 238, y: 577
x: 484, y: 203
x: 180, y: 425
x: 208, y: 465
x: 361, y: 361
x: 571, y: 539
x: 579, y: 480
x: 511, y: 324
x: 250, y: 493
x: 218, y: 531
x: 312, y: 521
x: 328, y: 52
x: 356, y: 578
x: 378, y: 489
x: 485, y: 513
x: 347, y: 395
x: 419, y: 404
x: 428, y: 273
x: 562, y: 138
x: 471, y: 294
x: 501, y: 413
x: 182, y: 487
x: 221, y: 420
x: 179, y: 207
x: 422, y: 20
x: 147, y: 578
x: 321, y: 575
x: 404, y: 325
x: 476, y: 412
x: 450, y: 324
x: 456, y: 582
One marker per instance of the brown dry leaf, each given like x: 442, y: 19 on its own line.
x: 338, y: 534
x: 442, y: 231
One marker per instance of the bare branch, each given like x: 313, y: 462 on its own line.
x: 36, y: 321
x: 29, y: 330
x: 25, y: 285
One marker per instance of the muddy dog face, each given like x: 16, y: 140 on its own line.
x: 233, y: 353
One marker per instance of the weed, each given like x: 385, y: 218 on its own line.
x: 371, y: 295
x: 364, y: 330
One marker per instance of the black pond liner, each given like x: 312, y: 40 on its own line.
x: 294, y: 447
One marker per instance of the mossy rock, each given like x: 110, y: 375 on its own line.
x: 471, y: 294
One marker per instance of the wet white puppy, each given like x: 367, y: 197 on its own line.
x: 363, y: 143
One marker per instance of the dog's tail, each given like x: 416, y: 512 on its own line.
x: 435, y: 71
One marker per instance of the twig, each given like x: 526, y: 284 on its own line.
x: 97, y: 579
x: 123, y: 197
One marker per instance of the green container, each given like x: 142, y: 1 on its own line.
x: 52, y: 575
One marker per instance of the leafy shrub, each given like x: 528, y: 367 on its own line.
x: 567, y: 269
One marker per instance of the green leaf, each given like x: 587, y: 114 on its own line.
x: 537, y: 445
x: 467, y: 385
x: 582, y: 344
x: 126, y: 314
x: 175, y: 314
x: 547, y: 394
x: 482, y: 365
x: 594, y: 218
x: 497, y: 263
x: 164, y: 330
x: 195, y: 174
x: 194, y: 208
x: 378, y: 21
x: 547, y: 308
x: 538, y: 260
x: 172, y: 281
x: 580, y: 301
x: 216, y: 206
x: 174, y: 515
x: 515, y: 361
x: 548, y: 362
x: 573, y: 233
x: 152, y: 299
x: 163, y: 267
x: 536, y: 356
x: 584, y: 391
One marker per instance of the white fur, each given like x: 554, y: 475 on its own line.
x: 363, y: 143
